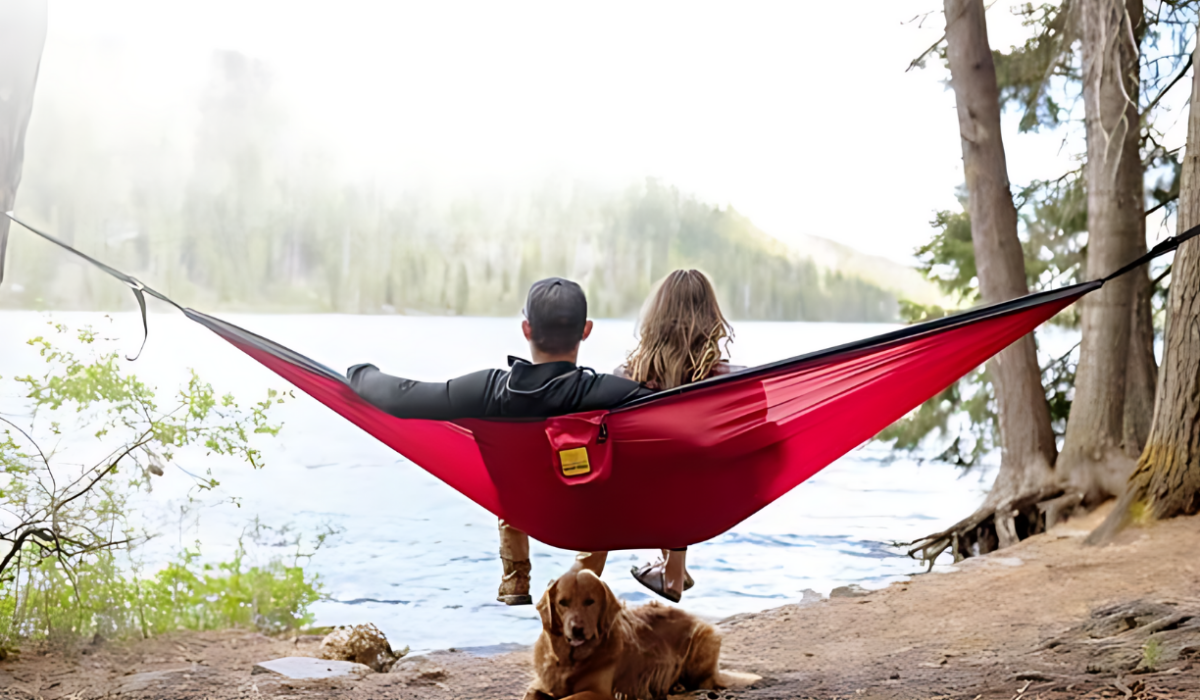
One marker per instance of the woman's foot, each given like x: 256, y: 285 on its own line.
x: 655, y: 577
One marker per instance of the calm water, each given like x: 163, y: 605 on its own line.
x: 420, y: 560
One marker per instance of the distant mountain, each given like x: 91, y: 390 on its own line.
x: 903, y: 281
x: 289, y: 242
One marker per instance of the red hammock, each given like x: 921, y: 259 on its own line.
x: 679, y: 468
x: 684, y: 465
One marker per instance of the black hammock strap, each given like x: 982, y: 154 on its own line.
x: 139, y: 289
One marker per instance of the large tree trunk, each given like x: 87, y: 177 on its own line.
x: 1141, y: 372
x: 1027, y: 449
x: 1167, y: 479
x: 1093, y: 463
x: 22, y: 34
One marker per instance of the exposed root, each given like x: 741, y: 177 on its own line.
x: 1134, y: 637
x: 995, y: 527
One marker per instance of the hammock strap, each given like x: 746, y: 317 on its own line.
x: 139, y: 289
x: 1164, y: 247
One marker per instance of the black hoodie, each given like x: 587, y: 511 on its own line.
x: 525, y: 391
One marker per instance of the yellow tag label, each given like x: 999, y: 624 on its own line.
x: 574, y: 462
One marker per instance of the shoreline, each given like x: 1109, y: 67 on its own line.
x: 1018, y: 623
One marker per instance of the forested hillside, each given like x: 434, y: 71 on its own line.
x: 222, y: 211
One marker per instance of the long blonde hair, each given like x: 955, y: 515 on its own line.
x: 681, y: 333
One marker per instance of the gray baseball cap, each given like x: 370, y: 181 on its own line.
x: 556, y: 308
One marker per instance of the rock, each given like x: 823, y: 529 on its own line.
x: 139, y: 682
x: 306, y: 668
x: 852, y: 591
x: 421, y: 671
x: 809, y: 596
x: 363, y: 644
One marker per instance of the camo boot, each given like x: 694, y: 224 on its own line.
x: 514, y: 552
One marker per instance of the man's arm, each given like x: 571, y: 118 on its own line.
x: 464, y: 397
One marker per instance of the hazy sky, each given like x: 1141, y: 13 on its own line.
x: 799, y: 114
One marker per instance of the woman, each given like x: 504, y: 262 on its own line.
x: 682, y: 338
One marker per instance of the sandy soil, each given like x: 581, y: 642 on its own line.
x: 978, y: 633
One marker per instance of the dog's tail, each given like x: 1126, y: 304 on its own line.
x: 736, y: 679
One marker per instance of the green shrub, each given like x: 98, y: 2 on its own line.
x: 66, y: 524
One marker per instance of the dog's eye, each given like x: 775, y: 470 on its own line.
x: 565, y: 603
x: 589, y: 601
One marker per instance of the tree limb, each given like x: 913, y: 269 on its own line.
x: 1160, y: 205
x: 141, y: 441
x: 16, y: 546
x: 916, y: 62
x: 28, y: 437
x: 1164, y: 91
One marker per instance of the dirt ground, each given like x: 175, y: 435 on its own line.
x: 1021, y: 624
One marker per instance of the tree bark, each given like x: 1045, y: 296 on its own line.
x: 1027, y: 448
x: 22, y: 35
x: 1093, y: 462
x: 1141, y: 378
x: 1166, y: 481
x: 1141, y: 371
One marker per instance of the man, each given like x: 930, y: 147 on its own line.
x: 553, y: 384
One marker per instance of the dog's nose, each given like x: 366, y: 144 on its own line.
x: 577, y: 632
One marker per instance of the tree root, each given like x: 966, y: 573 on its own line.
x: 994, y: 527
x: 1134, y: 637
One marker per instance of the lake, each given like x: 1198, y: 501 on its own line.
x: 418, y: 559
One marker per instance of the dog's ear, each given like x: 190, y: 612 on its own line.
x: 610, y: 608
x: 548, y: 610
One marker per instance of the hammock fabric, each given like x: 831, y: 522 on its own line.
x: 684, y: 465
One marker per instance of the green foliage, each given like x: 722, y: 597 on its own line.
x: 949, y: 257
x: 65, y: 522
x: 55, y: 602
x: 1028, y: 73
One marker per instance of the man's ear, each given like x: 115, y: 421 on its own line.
x: 547, y: 610
x: 587, y: 329
x: 527, y: 330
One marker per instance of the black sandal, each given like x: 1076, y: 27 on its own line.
x: 646, y: 576
x: 687, y: 576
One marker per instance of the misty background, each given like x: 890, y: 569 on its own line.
x: 273, y: 159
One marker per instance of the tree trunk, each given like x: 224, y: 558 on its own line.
x: 1027, y: 447
x: 1141, y: 372
x: 22, y: 34
x: 1093, y: 462
x: 1167, y: 479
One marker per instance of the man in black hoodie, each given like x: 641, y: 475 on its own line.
x: 553, y: 384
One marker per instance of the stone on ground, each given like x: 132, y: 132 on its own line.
x: 306, y: 668
x: 363, y: 644
x: 852, y: 591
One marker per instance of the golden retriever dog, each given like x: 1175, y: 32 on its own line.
x: 590, y: 642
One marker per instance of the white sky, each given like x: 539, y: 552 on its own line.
x: 799, y: 114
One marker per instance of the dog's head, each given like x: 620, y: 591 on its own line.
x: 579, y: 607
